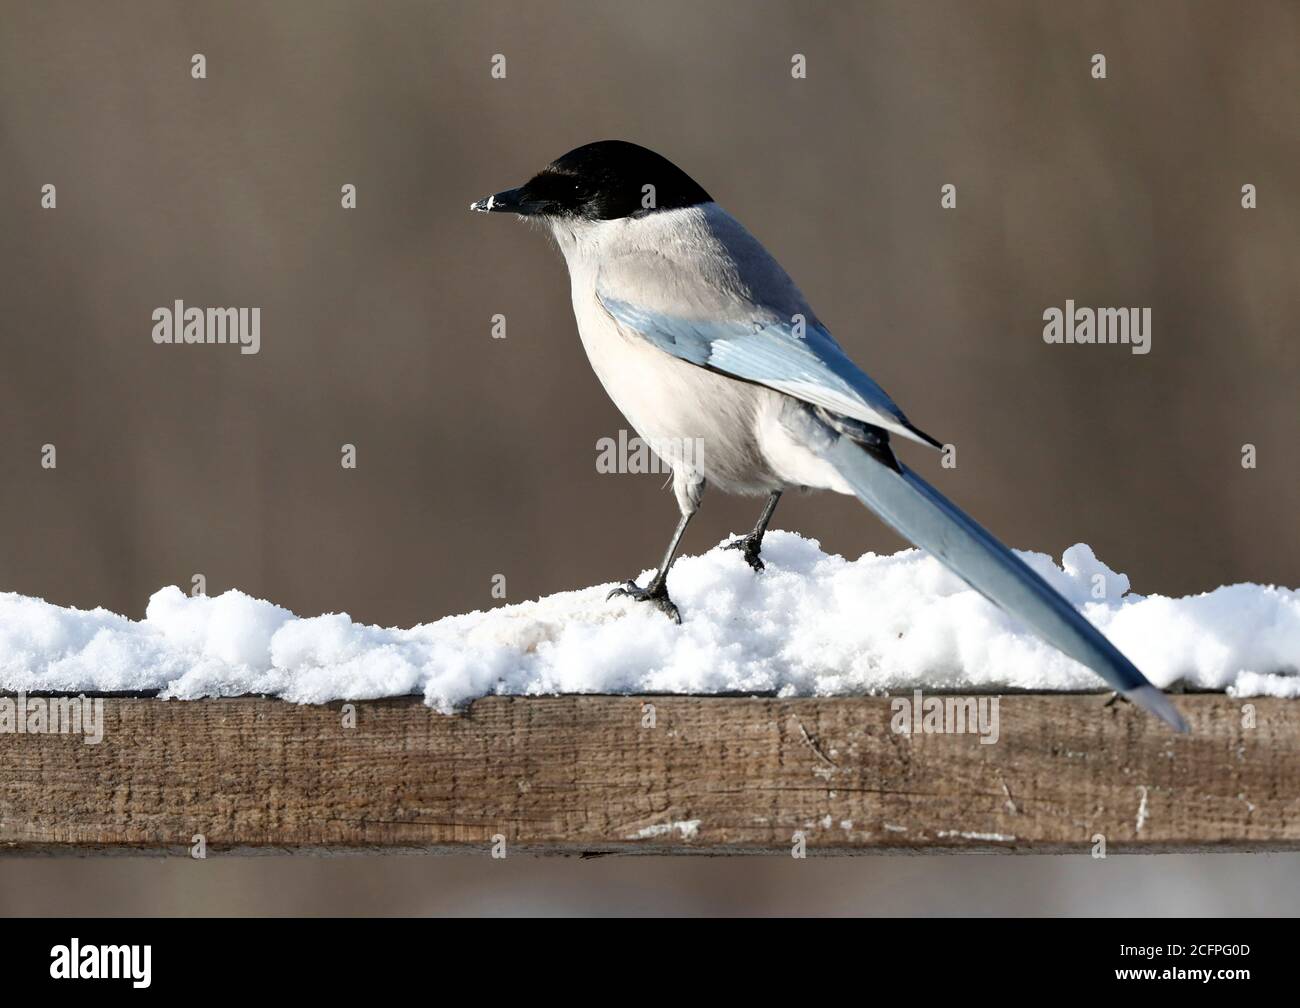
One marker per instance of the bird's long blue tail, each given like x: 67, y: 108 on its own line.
x: 922, y: 515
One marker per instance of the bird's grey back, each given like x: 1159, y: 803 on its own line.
x: 699, y: 263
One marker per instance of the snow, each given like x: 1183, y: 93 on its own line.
x: 812, y: 624
x: 687, y: 829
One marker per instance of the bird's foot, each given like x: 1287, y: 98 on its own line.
x: 749, y: 546
x: 656, y: 593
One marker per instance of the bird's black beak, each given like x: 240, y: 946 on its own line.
x: 502, y: 202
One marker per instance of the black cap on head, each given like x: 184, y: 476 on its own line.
x: 605, y: 180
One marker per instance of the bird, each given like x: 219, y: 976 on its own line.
x: 702, y: 339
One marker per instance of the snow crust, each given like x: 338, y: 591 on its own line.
x: 812, y: 624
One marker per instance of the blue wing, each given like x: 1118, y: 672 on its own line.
x: 796, y: 356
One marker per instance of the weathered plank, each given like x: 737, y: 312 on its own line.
x: 714, y: 775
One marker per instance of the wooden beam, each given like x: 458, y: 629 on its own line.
x: 661, y: 774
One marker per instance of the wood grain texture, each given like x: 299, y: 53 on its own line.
x: 576, y: 774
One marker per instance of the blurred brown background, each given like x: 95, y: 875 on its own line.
x: 1172, y: 885
x: 477, y: 456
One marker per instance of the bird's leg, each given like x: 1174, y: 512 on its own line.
x: 657, y: 590
x: 750, y: 544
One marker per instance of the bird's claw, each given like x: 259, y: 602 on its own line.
x: 749, y: 546
x: 656, y: 594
